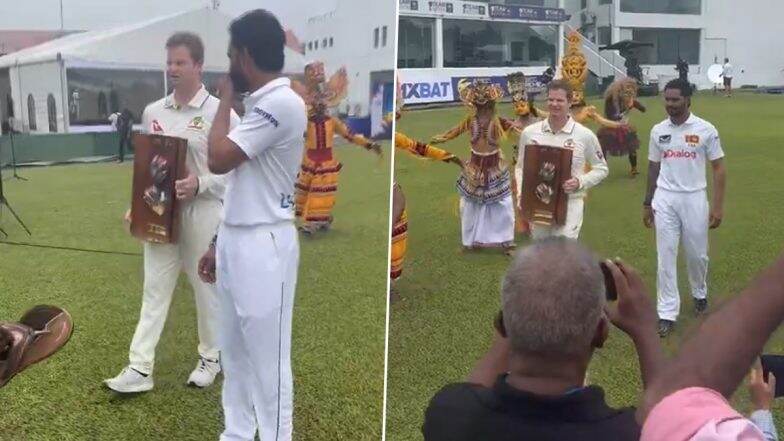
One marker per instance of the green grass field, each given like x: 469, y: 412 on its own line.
x: 442, y: 323
x: 339, y: 317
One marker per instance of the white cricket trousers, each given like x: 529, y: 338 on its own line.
x: 570, y: 228
x: 680, y: 216
x: 256, y: 279
x: 162, y: 265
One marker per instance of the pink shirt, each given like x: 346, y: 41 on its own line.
x: 697, y: 414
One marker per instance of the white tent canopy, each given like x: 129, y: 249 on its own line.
x: 139, y: 46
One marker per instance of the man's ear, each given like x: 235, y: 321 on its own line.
x: 246, y: 61
x: 601, y: 333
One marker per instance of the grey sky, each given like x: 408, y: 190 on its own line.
x: 96, y: 14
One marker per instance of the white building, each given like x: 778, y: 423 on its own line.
x: 360, y: 36
x: 73, y: 83
x: 442, y: 42
x: 703, y: 32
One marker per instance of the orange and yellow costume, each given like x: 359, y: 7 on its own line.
x: 574, y: 69
x: 400, y: 216
x: 525, y: 115
x: 317, y: 182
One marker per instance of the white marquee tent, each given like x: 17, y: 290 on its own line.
x: 37, y: 84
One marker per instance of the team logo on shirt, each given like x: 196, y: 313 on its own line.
x: 156, y: 126
x: 196, y: 123
x: 569, y: 143
x: 692, y: 140
x: 266, y: 115
x: 665, y: 139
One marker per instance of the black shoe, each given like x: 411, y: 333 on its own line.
x: 700, y: 306
x: 665, y: 327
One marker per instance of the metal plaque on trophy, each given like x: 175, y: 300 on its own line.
x: 545, y: 170
x: 158, y: 161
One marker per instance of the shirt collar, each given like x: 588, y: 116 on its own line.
x: 689, y: 120
x: 585, y: 404
x: 254, y: 97
x: 567, y: 128
x: 196, y: 102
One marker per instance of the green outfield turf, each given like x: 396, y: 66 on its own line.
x: 442, y: 322
x: 339, y: 316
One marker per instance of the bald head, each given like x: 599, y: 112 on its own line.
x: 553, y: 295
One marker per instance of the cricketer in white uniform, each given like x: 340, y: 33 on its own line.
x: 187, y: 113
x: 568, y: 134
x: 676, y: 201
x: 256, y: 257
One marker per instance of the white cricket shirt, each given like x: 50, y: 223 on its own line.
x: 574, y: 136
x: 727, y: 70
x: 682, y: 151
x: 192, y: 122
x: 261, y: 189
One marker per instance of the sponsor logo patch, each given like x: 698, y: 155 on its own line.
x: 286, y: 201
x: 156, y: 126
x: 266, y: 115
x: 680, y: 154
x: 665, y: 139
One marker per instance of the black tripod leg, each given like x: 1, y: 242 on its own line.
x: 13, y: 159
x: 5, y: 202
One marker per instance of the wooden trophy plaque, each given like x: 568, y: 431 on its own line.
x: 545, y: 169
x: 158, y: 161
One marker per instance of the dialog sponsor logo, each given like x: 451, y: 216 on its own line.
x: 680, y: 154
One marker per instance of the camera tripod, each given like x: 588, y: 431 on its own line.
x: 4, y: 202
x: 13, y: 157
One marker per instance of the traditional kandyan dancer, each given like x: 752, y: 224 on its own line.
x: 525, y: 114
x: 574, y: 69
x: 486, y: 207
x: 399, y: 215
x: 619, y: 100
x: 318, y: 177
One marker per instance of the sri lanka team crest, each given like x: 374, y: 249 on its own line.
x: 196, y: 123
x: 692, y: 139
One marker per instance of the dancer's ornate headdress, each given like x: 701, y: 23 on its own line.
x: 317, y: 92
x: 515, y: 83
x: 574, y: 68
x: 479, y: 91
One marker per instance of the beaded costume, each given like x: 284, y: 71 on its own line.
x: 486, y: 206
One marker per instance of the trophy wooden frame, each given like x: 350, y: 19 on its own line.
x: 159, y: 160
x: 545, y: 170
